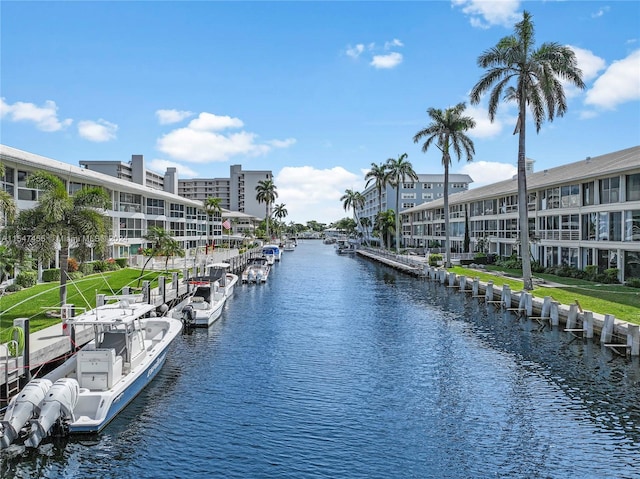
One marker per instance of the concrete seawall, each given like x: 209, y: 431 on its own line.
x: 620, y: 336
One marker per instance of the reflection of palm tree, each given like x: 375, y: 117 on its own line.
x: 266, y: 193
x: 538, y: 76
x: 447, y: 129
x: 399, y: 171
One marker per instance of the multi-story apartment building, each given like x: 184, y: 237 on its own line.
x: 427, y: 188
x: 238, y: 192
x: 580, y: 214
x: 134, y: 207
x: 134, y: 171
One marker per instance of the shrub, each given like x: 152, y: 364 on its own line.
x: 591, y: 271
x: 100, y: 266
x: 633, y: 282
x: 12, y: 288
x: 611, y: 275
x: 75, y: 275
x: 49, y: 275
x: 122, y: 262
x: 26, y: 279
x: 72, y: 265
x: 86, y: 268
x: 434, y: 258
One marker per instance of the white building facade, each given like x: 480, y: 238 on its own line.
x: 580, y: 214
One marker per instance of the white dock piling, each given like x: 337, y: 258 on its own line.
x: 587, y: 324
x: 506, y: 296
x: 554, y: 313
x: 633, y: 339
x: 607, y: 329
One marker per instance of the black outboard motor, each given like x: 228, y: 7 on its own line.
x: 188, y: 315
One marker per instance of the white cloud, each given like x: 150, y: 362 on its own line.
x: 590, y: 64
x: 166, y: 117
x: 209, y: 121
x: 390, y: 60
x: 44, y: 117
x: 600, y: 12
x: 618, y: 84
x: 160, y: 166
x: 487, y: 172
x: 393, y: 43
x: 98, y: 131
x: 282, y: 143
x: 485, y: 14
x: 485, y: 128
x: 201, y: 141
x: 314, y: 194
x: 355, y: 52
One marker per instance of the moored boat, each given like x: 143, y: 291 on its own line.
x: 257, y: 271
x: 89, y: 389
x: 208, y: 296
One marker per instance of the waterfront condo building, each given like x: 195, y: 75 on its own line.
x: 580, y: 214
x: 139, y: 199
x: 427, y: 188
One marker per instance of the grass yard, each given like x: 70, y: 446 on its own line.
x: 33, y: 302
x: 621, y: 301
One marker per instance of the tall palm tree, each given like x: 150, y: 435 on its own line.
x: 379, y: 174
x: 447, y: 129
x: 353, y: 200
x: 399, y: 171
x: 366, y: 222
x: 280, y: 212
x: 536, y: 75
x: 67, y: 219
x: 211, y: 207
x: 7, y: 203
x: 266, y: 193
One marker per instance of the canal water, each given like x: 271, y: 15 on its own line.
x: 338, y: 367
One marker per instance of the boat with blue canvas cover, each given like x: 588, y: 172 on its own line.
x: 272, y: 250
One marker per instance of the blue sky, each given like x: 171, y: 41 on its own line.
x: 314, y: 91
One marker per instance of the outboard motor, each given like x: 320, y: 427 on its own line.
x: 59, y: 402
x: 188, y: 315
x: 23, y: 407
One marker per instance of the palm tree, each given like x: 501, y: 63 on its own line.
x: 537, y: 76
x: 159, y: 238
x: 447, y: 129
x: 379, y: 174
x: 7, y: 203
x: 266, y: 193
x: 385, y: 224
x: 399, y: 171
x: 366, y: 222
x: 211, y: 207
x: 66, y: 219
x: 171, y: 248
x: 279, y: 211
x: 352, y: 200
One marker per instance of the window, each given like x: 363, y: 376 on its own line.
x: 408, y: 205
x: 155, y: 206
x: 427, y: 196
x: 633, y: 187
x: 130, y: 203
x: 589, y: 225
x: 177, y: 211
x: 130, y: 228
x: 587, y: 194
x: 408, y: 186
x: 570, y: 196
x: 632, y: 225
x: 610, y: 190
x: 408, y: 196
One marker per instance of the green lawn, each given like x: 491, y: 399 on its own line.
x: 621, y: 301
x: 33, y: 302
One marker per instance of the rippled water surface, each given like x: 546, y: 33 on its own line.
x: 341, y: 368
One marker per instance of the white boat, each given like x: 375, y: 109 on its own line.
x: 208, y: 296
x: 343, y: 246
x: 257, y: 271
x: 88, y: 390
x: 289, y: 245
x: 272, y: 249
